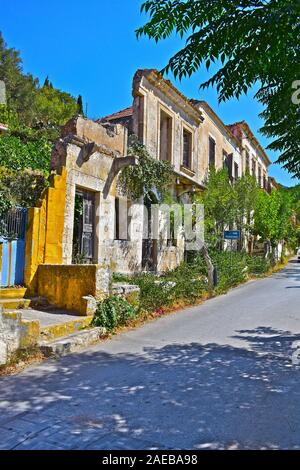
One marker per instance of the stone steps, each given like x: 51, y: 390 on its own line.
x: 72, y: 343
x: 12, y: 293
x: 60, y: 330
x: 14, y: 303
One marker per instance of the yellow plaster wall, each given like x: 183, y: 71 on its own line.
x: 65, y: 285
x: 0, y: 262
x: 45, y: 230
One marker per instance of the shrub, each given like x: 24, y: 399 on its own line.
x: 189, y: 283
x: 20, y: 188
x: 258, y: 265
x: 113, y: 312
x: 155, y: 292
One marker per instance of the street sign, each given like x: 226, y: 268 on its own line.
x: 232, y: 235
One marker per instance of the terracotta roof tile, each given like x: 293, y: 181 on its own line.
x: 124, y: 113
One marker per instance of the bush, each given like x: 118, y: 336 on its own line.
x: 258, y: 265
x: 190, y: 283
x: 185, y: 284
x: 231, y: 269
x: 155, y: 292
x: 113, y: 312
x: 20, y: 188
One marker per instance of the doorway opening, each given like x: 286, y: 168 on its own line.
x: 150, y: 248
x: 84, y: 224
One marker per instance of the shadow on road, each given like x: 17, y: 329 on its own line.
x: 179, y: 396
x: 291, y: 272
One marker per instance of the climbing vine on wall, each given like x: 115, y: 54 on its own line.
x: 148, y: 176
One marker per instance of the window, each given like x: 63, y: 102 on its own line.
x: 259, y: 176
x: 117, y: 219
x: 247, y: 162
x: 187, y: 149
x: 265, y: 182
x: 253, y: 167
x: 225, y: 160
x: 141, y: 110
x: 165, y: 148
x: 236, y: 170
x: 122, y: 218
x: 227, y: 163
x: 212, y: 152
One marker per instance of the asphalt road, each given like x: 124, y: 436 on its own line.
x: 216, y: 376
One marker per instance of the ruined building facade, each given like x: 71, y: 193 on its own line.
x: 81, y: 217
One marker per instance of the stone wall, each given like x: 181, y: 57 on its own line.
x: 73, y: 287
x: 213, y: 127
x: 159, y: 95
x: 44, y: 238
x: 16, y: 334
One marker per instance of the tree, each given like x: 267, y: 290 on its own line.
x: 20, y: 88
x: 273, y: 218
x: 246, y: 191
x: 22, y: 188
x: 219, y: 206
x: 250, y: 42
x: 80, y: 105
x: 34, y: 106
x: 46, y: 82
x: 54, y: 106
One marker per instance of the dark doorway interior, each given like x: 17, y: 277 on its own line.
x: 149, y: 252
x: 83, y: 235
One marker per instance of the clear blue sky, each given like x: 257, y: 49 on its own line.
x: 90, y: 48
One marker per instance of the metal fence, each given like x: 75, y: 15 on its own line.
x: 13, y: 224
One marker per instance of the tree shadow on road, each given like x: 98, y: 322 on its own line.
x: 290, y: 272
x: 186, y: 396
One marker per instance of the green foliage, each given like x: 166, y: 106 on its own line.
x: 54, y: 106
x: 273, y: 216
x: 80, y: 105
x: 219, y: 206
x: 148, y: 176
x: 188, y: 283
x: 227, y: 204
x: 20, y: 188
x: 32, y: 104
x: 247, y: 43
x: 245, y: 191
x: 154, y: 291
x: 233, y: 268
x: 257, y: 265
x: 17, y: 154
x: 113, y: 312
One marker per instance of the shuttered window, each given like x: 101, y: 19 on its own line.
x: 187, y: 149
x: 212, y: 152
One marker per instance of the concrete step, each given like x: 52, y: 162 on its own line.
x: 71, y: 343
x: 62, y: 329
x: 15, y: 303
x: 12, y: 293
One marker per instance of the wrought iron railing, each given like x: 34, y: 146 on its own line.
x: 13, y: 223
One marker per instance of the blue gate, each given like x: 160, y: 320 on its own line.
x: 12, y: 249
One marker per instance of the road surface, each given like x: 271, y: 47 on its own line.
x: 216, y: 376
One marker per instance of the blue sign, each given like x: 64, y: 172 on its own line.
x: 232, y: 235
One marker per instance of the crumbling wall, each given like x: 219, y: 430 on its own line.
x: 44, y: 239
x: 16, y: 334
x: 74, y: 287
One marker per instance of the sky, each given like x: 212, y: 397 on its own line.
x: 90, y: 48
